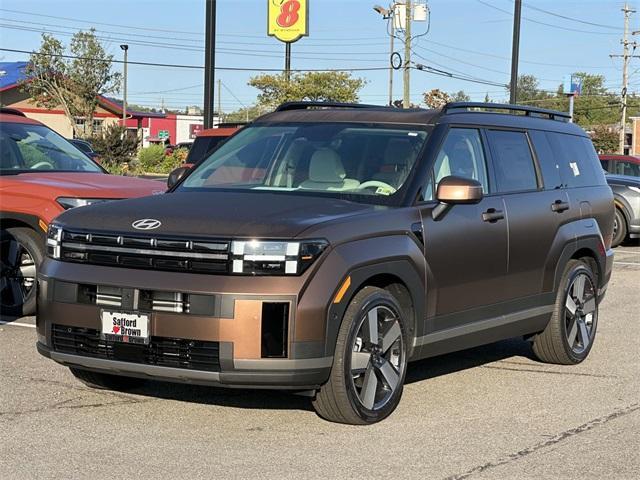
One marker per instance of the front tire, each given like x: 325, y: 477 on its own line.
x: 21, y: 253
x: 370, y: 361
x: 104, y: 381
x: 569, y: 336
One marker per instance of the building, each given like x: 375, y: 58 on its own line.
x: 150, y: 127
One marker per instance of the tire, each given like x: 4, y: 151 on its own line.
x: 619, y: 228
x: 104, y: 381
x: 370, y: 391
x: 21, y: 253
x: 568, y: 338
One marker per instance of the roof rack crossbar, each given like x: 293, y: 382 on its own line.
x: 459, y: 107
x: 313, y: 104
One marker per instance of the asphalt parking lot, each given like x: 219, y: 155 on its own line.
x: 490, y: 412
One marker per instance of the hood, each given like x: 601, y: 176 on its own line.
x: 89, y: 185
x: 623, y: 180
x: 214, y: 214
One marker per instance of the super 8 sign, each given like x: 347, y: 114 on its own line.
x: 288, y: 20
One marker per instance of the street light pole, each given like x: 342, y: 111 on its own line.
x: 387, y: 14
x: 515, y: 52
x: 209, y: 62
x: 125, y: 48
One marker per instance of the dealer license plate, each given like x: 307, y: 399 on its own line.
x: 125, y: 327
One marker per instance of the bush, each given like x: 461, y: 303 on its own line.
x: 153, y: 159
x: 116, y: 148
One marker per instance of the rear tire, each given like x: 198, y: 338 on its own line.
x: 619, y: 228
x: 104, y: 381
x: 370, y: 361
x: 21, y: 253
x: 569, y: 336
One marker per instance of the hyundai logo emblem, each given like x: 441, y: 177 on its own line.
x: 146, y: 224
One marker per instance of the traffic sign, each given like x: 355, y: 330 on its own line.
x: 163, y: 134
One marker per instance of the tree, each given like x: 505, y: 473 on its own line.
x: 436, y: 98
x: 460, y: 96
x: 115, y: 147
x: 72, y: 84
x: 244, y: 114
x: 605, y: 139
x: 311, y: 86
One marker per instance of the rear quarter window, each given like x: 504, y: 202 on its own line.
x: 547, y: 160
x: 577, y: 160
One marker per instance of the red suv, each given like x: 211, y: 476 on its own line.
x: 41, y: 175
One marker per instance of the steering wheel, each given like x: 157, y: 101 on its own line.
x: 377, y: 184
x: 41, y: 166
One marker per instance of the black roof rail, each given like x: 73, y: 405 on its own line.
x: 459, y: 107
x: 313, y: 104
x: 11, y: 111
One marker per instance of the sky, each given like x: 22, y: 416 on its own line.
x: 465, y: 37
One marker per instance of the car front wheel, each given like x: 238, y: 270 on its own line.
x: 20, y: 256
x: 370, y: 361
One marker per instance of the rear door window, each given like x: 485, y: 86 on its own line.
x: 626, y: 168
x: 546, y: 159
x: 577, y: 160
x: 512, y: 161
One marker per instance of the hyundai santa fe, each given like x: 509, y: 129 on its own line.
x: 325, y: 246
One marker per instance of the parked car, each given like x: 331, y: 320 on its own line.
x: 41, y: 175
x: 626, y: 192
x: 86, y: 148
x: 206, y: 142
x: 621, y: 165
x: 324, y: 246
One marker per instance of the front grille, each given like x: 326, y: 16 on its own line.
x: 146, y: 252
x: 165, y: 352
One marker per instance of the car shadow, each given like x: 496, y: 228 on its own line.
x: 284, y: 400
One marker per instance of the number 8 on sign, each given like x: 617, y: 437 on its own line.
x: 289, y: 13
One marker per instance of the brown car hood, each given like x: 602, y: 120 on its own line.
x: 214, y: 214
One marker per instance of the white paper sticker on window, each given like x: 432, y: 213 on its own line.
x: 412, y: 134
x: 574, y: 167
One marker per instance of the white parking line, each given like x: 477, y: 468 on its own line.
x: 17, y: 324
x: 627, y: 263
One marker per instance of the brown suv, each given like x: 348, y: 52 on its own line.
x: 324, y: 246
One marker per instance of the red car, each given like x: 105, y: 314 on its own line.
x: 206, y: 142
x: 42, y: 175
x: 626, y: 165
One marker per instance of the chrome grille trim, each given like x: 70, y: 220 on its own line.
x: 142, y: 251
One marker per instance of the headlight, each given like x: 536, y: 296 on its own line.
x: 70, y: 202
x: 256, y: 257
x: 54, y: 239
x: 635, y: 189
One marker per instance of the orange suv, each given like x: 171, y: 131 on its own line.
x: 42, y: 175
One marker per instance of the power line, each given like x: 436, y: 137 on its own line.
x: 538, y: 9
x: 486, y: 4
x: 200, y: 67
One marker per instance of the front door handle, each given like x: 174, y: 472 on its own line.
x: 559, y: 206
x: 492, y: 215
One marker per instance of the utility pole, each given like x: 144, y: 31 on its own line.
x: 388, y: 15
x: 219, y: 100
x: 406, y: 98
x: 124, y: 48
x: 626, y: 56
x: 287, y: 61
x: 515, y: 52
x: 209, y: 62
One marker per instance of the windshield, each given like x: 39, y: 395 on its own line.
x: 359, y: 161
x: 30, y: 148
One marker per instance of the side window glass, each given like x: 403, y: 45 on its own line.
x: 605, y: 165
x: 512, y: 161
x: 461, y: 155
x: 578, y: 164
x: 547, y: 160
x: 627, y: 168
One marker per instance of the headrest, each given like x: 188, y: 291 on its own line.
x: 325, y: 167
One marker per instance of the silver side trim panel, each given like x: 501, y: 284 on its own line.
x: 482, y: 325
x: 283, y: 363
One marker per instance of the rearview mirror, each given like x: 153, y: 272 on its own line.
x: 176, y: 175
x: 454, y: 190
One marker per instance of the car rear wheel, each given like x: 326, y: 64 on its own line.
x: 619, y: 228
x: 569, y: 336
x: 104, y: 381
x: 370, y: 361
x: 20, y: 256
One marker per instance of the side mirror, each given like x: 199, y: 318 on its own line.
x: 454, y: 190
x: 176, y: 175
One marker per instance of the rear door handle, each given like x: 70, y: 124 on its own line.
x: 559, y: 206
x: 492, y: 215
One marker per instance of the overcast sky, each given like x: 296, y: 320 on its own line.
x: 466, y: 37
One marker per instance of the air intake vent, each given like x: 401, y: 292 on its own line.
x: 108, y: 296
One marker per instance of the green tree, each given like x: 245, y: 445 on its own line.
x: 244, y: 114
x: 73, y: 84
x: 116, y: 147
x: 460, y: 96
x: 312, y: 86
x: 605, y: 139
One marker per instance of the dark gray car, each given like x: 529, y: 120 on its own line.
x: 626, y: 192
